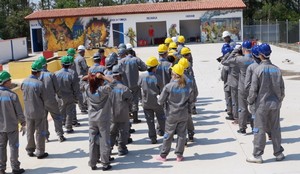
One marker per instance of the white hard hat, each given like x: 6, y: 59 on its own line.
x: 80, y: 48
x: 174, y: 39
x: 128, y: 46
x: 226, y: 33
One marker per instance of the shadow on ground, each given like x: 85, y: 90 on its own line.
x: 77, y: 153
x: 51, y: 170
x: 210, y: 156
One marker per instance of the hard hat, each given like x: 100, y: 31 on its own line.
x: 122, y: 45
x: 162, y: 48
x: 128, y: 46
x: 116, y: 70
x: 174, y: 39
x: 185, y: 51
x: 36, y: 66
x: 178, y: 69
x: 4, y: 76
x: 71, y: 51
x: 80, y: 48
x: 96, y: 56
x: 181, y: 39
x: 121, y: 51
x: 152, y: 61
x: 255, y: 51
x: 173, y: 45
x: 265, y: 50
x: 43, y: 60
x: 184, y: 62
x: 226, y: 50
x: 65, y: 60
x: 226, y: 34
x: 111, y: 60
x: 171, y: 56
x: 71, y: 58
x: 247, y: 45
x: 168, y: 40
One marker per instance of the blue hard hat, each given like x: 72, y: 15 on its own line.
x: 226, y: 49
x: 255, y: 51
x: 265, y: 50
x: 247, y: 44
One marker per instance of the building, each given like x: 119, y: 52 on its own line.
x: 199, y: 21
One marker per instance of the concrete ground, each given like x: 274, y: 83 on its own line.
x: 218, y: 148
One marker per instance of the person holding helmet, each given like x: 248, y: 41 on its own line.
x: 69, y: 91
x: 168, y: 40
x: 242, y: 62
x: 10, y: 115
x: 35, y: 96
x: 50, y: 82
x: 163, y: 68
x: 177, y: 98
x: 151, y: 85
x: 180, y: 43
x: 82, y: 70
x: 266, y: 94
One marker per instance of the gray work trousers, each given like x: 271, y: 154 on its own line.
x: 190, y: 124
x: 160, y: 116
x: 12, y: 138
x: 244, y: 114
x: 171, y: 127
x: 234, y: 99
x: 135, y: 94
x: 82, y: 101
x: 99, y: 130
x: 119, y: 131
x: 267, y: 120
x: 67, y: 111
x: 228, y: 100
x: 36, y: 134
x: 57, y: 119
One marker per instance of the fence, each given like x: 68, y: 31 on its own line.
x: 281, y: 33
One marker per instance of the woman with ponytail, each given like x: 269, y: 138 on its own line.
x: 177, y: 98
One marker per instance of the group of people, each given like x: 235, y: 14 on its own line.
x: 254, y: 91
x: 109, y: 92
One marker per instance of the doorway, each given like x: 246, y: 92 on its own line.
x: 118, y: 33
x: 37, y: 39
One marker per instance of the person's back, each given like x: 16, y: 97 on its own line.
x: 50, y: 82
x: 68, y: 86
x: 132, y: 66
x: 163, y: 70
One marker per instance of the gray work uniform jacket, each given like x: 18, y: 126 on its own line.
x: 164, y: 70
x: 11, y: 111
x: 96, y: 68
x: 151, y: 85
x: 51, y: 86
x: 234, y: 71
x: 248, y: 77
x: 224, y: 77
x: 81, y: 66
x: 35, y: 96
x: 190, y: 80
x: 267, y: 87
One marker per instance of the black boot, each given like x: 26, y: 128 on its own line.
x: 135, y: 117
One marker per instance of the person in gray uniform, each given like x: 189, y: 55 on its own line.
x: 35, y: 95
x: 99, y: 112
x: 50, y: 82
x: 121, y: 99
x: 82, y: 70
x: 151, y: 85
x: 177, y: 98
x: 242, y: 62
x: 266, y: 93
x: 69, y: 91
x: 163, y: 69
x: 110, y: 61
x: 10, y: 115
x: 97, y: 67
x: 131, y: 66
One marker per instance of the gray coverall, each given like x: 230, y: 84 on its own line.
x: 164, y: 71
x: 80, y: 98
x: 266, y: 93
x: 121, y: 99
x: 242, y: 62
x: 99, y: 111
x: 82, y: 70
x: 50, y: 82
x: 177, y: 102
x: 35, y: 95
x: 131, y: 67
x: 69, y: 92
x: 151, y: 85
x: 10, y: 115
x: 227, y: 91
x: 96, y: 68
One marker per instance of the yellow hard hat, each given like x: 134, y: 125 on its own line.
x: 152, y: 61
x: 181, y: 39
x: 162, y: 48
x: 173, y: 45
x: 178, y: 69
x: 168, y: 40
x: 184, y: 62
x: 185, y: 50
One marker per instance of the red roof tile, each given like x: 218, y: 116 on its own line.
x: 139, y: 8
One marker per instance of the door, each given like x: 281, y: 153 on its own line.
x: 118, y: 33
x: 37, y: 39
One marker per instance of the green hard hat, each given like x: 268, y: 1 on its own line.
x: 71, y: 52
x: 65, y: 60
x: 71, y: 59
x: 36, y: 66
x: 4, y: 76
x: 43, y: 60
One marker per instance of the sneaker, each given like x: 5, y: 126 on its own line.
x: 76, y: 124
x: 111, y: 158
x: 129, y: 141
x: 131, y: 131
x: 160, y: 133
x: 104, y: 168
x: 137, y: 121
x: 229, y: 118
x: 191, y: 137
x: 254, y: 159
x: 153, y: 141
x: 179, y: 158
x: 69, y: 131
x: 162, y: 159
x: 242, y: 131
x: 122, y: 152
x: 31, y: 154
x: 94, y: 168
x: 19, y: 171
x: 61, y: 138
x: 43, y: 156
x: 280, y: 157
x: 194, y: 112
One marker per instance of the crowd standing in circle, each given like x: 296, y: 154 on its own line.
x: 109, y: 92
